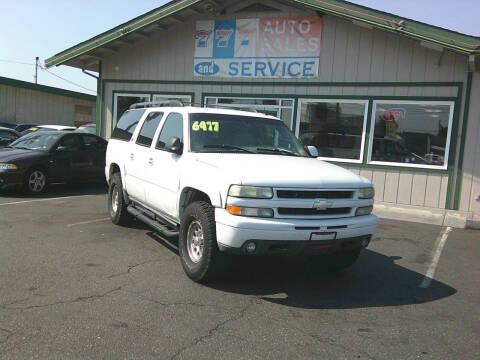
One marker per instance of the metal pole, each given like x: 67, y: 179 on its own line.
x: 36, y: 70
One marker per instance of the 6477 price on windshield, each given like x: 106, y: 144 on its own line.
x: 213, y: 126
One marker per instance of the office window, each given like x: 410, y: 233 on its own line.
x: 411, y: 133
x: 185, y: 99
x: 335, y: 127
x: 122, y: 102
x: 280, y: 108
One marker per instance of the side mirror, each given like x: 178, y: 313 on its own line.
x: 61, y: 148
x: 312, y: 150
x: 174, y: 145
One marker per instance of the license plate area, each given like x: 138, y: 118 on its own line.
x: 324, y: 235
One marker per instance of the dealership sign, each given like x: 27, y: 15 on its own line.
x: 258, y: 48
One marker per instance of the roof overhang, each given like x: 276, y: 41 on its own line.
x: 87, y: 54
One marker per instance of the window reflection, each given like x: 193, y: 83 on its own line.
x: 411, y: 133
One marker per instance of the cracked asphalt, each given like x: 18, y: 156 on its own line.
x: 75, y: 289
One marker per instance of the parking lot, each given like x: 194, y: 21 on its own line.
x: 73, y: 285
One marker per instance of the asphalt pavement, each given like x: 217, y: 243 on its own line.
x: 75, y: 286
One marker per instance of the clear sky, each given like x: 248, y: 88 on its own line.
x: 32, y: 28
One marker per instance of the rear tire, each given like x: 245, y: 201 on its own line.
x: 36, y: 181
x: 335, y: 262
x: 197, y: 244
x: 117, y: 206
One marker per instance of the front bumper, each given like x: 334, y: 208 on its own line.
x: 233, y: 232
x: 10, y: 179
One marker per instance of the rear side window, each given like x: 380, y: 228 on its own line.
x: 127, y: 124
x: 173, y: 127
x: 149, y: 127
x: 93, y: 143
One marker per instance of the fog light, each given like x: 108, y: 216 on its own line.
x: 365, y: 242
x: 250, y: 247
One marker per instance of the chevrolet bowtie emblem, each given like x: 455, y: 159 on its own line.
x: 322, y: 204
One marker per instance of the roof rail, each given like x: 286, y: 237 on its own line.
x: 172, y: 103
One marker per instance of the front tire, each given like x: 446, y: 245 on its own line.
x: 117, y: 206
x: 36, y: 181
x: 199, y: 254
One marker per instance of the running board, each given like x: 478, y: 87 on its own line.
x: 161, y: 228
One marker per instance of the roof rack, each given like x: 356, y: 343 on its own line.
x: 172, y: 103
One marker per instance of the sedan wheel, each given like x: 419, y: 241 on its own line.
x: 36, y: 181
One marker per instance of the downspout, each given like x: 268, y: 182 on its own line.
x: 99, y: 102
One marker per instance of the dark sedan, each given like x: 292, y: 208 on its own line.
x: 41, y: 158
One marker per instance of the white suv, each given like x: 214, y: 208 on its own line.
x: 229, y: 181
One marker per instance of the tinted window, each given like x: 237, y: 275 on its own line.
x: 93, y: 142
x: 127, y: 125
x: 173, y: 127
x: 149, y: 127
x: 70, y: 143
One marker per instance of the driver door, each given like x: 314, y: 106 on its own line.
x: 70, y: 162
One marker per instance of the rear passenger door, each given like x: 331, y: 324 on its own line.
x: 69, y: 160
x: 95, y: 148
x: 163, y: 172
x: 142, y: 153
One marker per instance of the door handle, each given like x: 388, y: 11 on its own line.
x: 150, y: 161
x: 132, y: 156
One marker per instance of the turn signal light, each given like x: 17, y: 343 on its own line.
x: 250, y: 211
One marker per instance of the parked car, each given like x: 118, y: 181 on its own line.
x: 87, y: 128
x: 24, y: 126
x: 7, y: 125
x: 48, y: 128
x: 7, y: 136
x: 234, y: 182
x: 38, y: 159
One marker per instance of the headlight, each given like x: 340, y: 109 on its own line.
x: 255, y: 192
x: 366, y: 193
x: 365, y: 210
x: 250, y: 211
x: 4, y: 166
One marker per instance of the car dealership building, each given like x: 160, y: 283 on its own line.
x: 394, y: 100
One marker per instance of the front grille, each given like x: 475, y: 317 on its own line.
x: 316, y: 194
x: 313, y: 211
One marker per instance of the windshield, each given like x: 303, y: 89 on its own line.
x: 36, y: 141
x: 242, y: 134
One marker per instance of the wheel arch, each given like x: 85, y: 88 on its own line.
x: 190, y: 195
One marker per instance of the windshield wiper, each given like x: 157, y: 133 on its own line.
x: 279, y: 151
x: 226, y: 146
x: 20, y: 147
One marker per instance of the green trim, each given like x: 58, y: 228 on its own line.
x: 289, y: 83
x: 453, y: 149
x: 466, y: 110
x: 45, y: 89
x: 119, y: 31
x: 99, y: 103
x: 448, y: 39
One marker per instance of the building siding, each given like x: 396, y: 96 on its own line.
x: 349, y: 53
x: 20, y: 105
